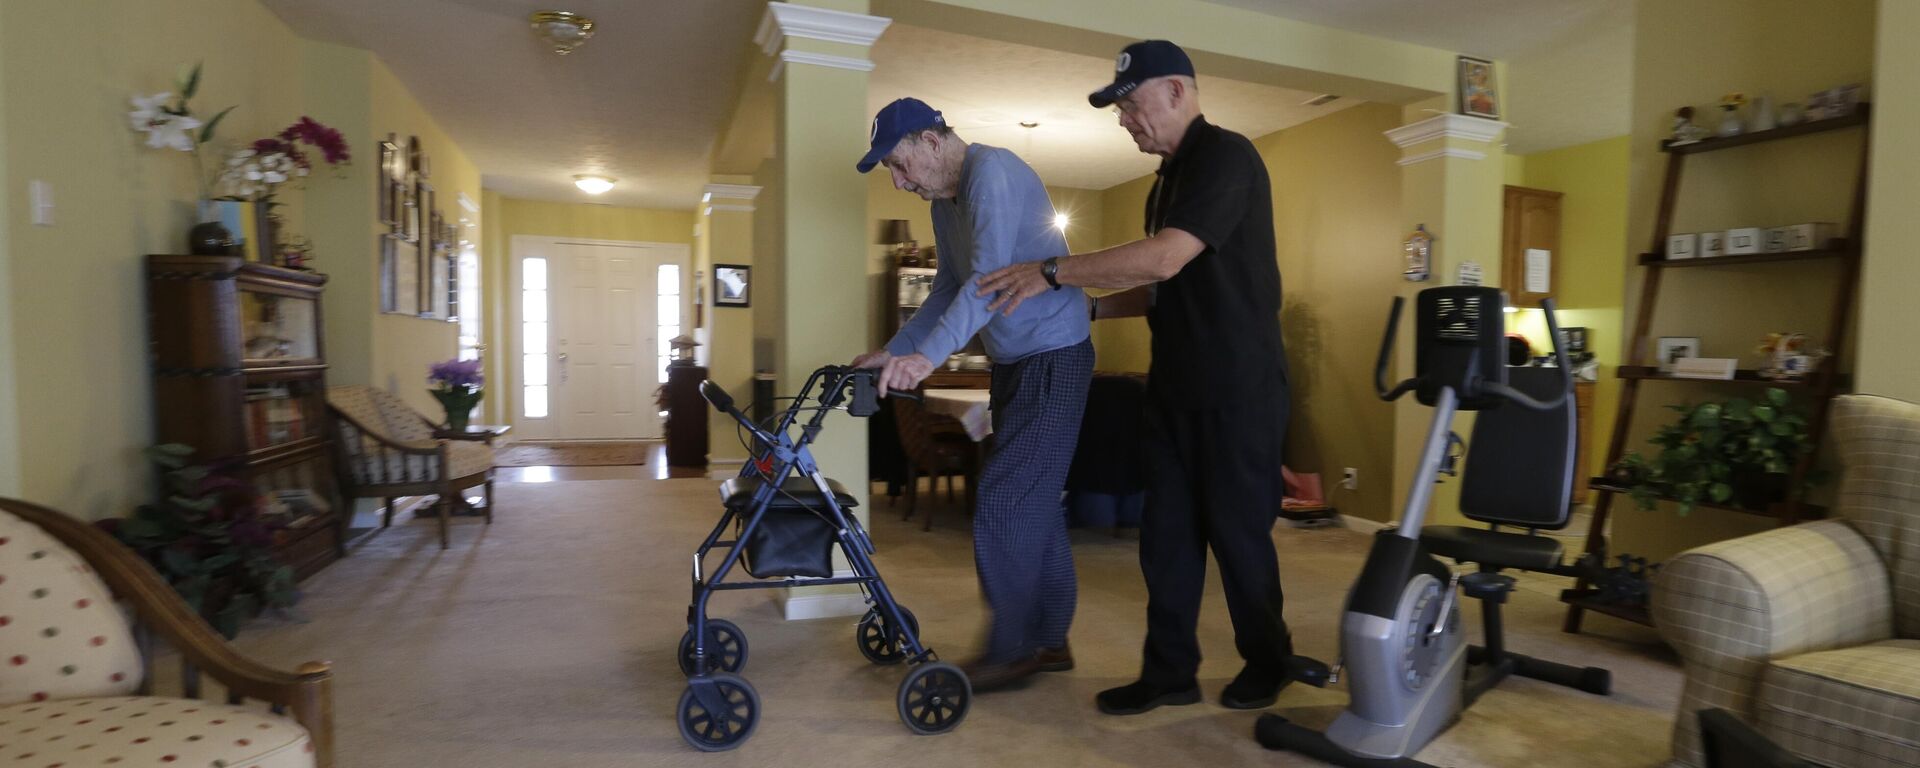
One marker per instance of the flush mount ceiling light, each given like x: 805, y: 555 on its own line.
x: 593, y: 184
x: 564, y: 30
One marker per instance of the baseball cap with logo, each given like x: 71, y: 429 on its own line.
x: 1139, y: 63
x: 896, y: 121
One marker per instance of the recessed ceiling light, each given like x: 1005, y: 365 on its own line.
x: 593, y: 184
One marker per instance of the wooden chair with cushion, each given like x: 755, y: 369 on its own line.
x: 385, y: 450
x: 76, y: 683
x: 936, y: 446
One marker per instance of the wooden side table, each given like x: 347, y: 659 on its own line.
x: 485, y: 433
x: 479, y: 433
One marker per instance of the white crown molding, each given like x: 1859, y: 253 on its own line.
x: 732, y: 191
x: 818, y: 60
x: 1446, y: 126
x: 1466, y: 154
x: 728, y: 207
x: 784, y: 20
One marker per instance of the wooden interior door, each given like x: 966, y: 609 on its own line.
x: 1531, y: 235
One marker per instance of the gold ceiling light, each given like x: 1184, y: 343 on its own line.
x: 564, y: 30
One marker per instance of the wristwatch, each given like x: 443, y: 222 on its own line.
x: 1049, y: 269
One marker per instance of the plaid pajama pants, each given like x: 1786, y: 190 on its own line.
x: 1019, y: 531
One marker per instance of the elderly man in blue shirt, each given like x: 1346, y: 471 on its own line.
x: 991, y: 211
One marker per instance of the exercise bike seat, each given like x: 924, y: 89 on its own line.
x: 799, y: 493
x: 1499, y: 549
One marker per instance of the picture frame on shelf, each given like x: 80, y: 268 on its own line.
x: 732, y: 285
x: 1672, y: 349
x: 1478, y: 93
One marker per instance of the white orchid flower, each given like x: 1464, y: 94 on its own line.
x: 145, y: 109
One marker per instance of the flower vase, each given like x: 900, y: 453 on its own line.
x: 457, y: 419
x: 210, y: 237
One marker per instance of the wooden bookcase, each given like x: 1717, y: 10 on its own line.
x: 239, y: 374
x: 1818, y: 389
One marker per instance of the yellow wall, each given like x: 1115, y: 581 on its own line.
x: 551, y: 219
x: 405, y: 346
x: 1888, y: 313
x: 1336, y: 193
x: 77, y: 321
x: 1691, y: 53
x: 77, y: 326
x: 1593, y: 256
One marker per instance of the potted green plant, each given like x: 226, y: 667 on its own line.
x: 1737, y: 452
x: 211, y: 538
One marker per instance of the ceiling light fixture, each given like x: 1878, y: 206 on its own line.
x: 1061, y: 220
x: 564, y: 30
x: 1029, y: 124
x: 593, y: 184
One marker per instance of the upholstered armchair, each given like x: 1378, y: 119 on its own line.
x: 80, y: 615
x: 1811, y: 633
x: 385, y: 450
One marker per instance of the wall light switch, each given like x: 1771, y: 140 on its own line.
x: 40, y: 197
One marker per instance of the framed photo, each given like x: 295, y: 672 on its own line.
x: 1673, y: 348
x: 389, y: 266
x: 428, y: 229
x: 389, y: 156
x: 1478, y: 96
x: 406, y: 277
x: 731, y: 285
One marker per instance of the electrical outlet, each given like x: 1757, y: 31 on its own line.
x: 1350, y: 478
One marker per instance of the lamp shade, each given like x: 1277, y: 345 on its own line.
x: 894, y: 232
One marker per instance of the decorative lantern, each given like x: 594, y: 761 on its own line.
x: 682, y: 346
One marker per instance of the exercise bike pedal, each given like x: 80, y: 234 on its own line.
x: 1313, y: 672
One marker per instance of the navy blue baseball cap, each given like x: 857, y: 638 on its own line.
x: 896, y: 121
x: 1139, y: 63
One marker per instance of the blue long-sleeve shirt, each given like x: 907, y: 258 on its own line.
x: 1000, y: 216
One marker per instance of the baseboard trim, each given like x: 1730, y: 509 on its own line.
x: 1364, y: 525
x: 802, y: 603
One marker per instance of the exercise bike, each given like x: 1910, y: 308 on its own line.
x: 1401, y: 641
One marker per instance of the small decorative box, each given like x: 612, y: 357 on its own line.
x: 1713, y: 244
x: 1776, y: 240
x: 1682, y: 246
x: 1745, y: 240
x: 1810, y: 237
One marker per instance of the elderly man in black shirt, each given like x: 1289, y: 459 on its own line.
x: 1207, y: 281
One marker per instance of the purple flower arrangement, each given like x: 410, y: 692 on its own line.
x: 457, y: 386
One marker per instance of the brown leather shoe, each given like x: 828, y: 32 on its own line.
x: 1055, y: 659
x: 989, y: 676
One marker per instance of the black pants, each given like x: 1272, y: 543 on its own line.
x: 1213, y: 480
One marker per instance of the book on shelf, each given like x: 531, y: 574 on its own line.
x: 273, y: 416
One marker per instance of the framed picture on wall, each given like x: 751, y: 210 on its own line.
x: 389, y: 156
x: 1478, y: 96
x: 429, y: 232
x: 389, y: 264
x: 731, y: 285
x: 406, y: 277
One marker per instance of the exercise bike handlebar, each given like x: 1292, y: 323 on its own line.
x: 1386, y: 353
x: 1565, y: 390
x: 1504, y: 391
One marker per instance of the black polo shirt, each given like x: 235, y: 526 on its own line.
x: 1216, y: 324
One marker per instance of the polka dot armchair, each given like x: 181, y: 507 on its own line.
x: 80, y: 616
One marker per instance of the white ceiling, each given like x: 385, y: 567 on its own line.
x: 642, y: 101
x: 986, y: 88
x: 1493, y: 29
x: 645, y: 99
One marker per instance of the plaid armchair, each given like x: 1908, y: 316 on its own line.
x: 1812, y: 633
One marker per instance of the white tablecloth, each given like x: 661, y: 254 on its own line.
x: 969, y: 406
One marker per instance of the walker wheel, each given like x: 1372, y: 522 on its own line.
x: 726, y: 648
x: 722, y: 728
x: 934, y: 698
x: 880, y: 643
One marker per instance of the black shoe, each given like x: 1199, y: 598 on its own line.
x: 1142, y: 696
x: 1253, y: 689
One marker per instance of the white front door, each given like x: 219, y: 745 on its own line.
x: 603, y: 339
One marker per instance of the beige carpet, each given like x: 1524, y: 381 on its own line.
x: 548, y: 639
x: 582, y: 454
